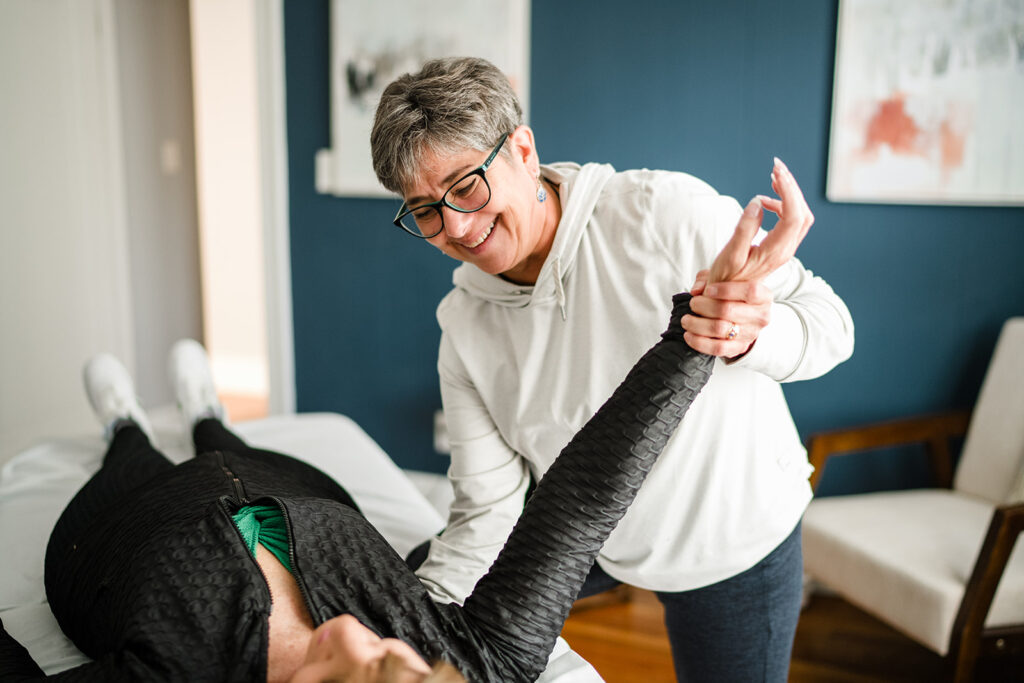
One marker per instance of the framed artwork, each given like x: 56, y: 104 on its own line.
x: 375, y: 41
x: 928, y: 103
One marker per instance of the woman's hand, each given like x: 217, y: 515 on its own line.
x: 732, y: 303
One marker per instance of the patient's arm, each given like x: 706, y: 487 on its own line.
x: 16, y: 665
x: 522, y: 602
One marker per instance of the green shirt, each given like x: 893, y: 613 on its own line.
x: 264, y: 524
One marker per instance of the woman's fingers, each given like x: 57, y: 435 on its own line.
x: 795, y: 220
x: 771, y: 204
x: 713, y: 328
x: 699, y: 282
x: 794, y: 203
x: 739, y: 260
x: 751, y: 292
x: 730, y: 261
x: 731, y: 305
x: 738, y: 302
x: 728, y: 328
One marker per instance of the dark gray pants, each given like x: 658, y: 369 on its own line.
x: 740, y: 629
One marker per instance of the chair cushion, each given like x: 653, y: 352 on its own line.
x: 992, y: 463
x: 906, y: 556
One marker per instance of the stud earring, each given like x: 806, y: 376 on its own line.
x: 542, y: 194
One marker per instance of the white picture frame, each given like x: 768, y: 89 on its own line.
x: 374, y: 41
x: 927, y: 103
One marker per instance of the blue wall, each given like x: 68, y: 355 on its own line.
x: 715, y: 89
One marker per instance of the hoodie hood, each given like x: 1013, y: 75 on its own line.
x: 578, y: 189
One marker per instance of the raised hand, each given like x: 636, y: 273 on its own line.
x: 731, y: 303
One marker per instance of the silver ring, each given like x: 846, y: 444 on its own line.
x: 733, y: 331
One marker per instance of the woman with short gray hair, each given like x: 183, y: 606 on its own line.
x: 452, y: 104
x: 566, y: 269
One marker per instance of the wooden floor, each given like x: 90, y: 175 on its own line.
x: 624, y: 638
x: 242, y: 407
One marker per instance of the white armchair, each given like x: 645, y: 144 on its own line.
x: 937, y: 564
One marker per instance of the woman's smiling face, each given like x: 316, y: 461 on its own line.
x: 511, y: 235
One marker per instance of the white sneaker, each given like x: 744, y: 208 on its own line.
x: 112, y: 395
x: 193, y: 383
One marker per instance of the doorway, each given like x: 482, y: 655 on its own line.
x: 238, y: 95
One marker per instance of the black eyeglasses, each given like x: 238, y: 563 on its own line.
x: 469, y: 193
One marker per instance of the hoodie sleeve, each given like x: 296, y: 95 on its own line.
x: 811, y: 330
x: 489, y: 480
x: 520, y: 605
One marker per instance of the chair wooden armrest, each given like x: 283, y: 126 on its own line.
x: 934, y: 431
x: 969, y: 633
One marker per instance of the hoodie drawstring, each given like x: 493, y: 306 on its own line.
x: 559, y: 291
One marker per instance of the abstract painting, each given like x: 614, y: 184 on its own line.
x: 928, y: 102
x: 374, y: 41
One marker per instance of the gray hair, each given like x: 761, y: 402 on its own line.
x: 450, y: 104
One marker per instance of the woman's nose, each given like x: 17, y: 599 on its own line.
x: 457, y: 224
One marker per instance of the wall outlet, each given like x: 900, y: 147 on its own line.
x: 441, y: 444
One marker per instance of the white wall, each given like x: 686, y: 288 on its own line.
x: 231, y: 217
x: 154, y: 65
x: 63, y: 254
x: 94, y: 236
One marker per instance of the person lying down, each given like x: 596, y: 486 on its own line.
x: 242, y: 564
x: 246, y: 565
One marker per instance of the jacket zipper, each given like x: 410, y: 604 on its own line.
x: 236, y: 483
x: 243, y: 499
x: 295, y: 568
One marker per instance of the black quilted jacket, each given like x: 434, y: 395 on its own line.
x: 166, y: 590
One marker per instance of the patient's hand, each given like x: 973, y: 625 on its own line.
x: 732, y: 303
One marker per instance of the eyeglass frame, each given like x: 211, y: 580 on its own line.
x: 481, y: 170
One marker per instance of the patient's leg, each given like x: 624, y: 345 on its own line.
x: 129, y: 463
x: 130, y: 460
x: 260, y: 472
x: 210, y: 434
x: 265, y: 473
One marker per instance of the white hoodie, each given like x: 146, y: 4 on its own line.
x: 522, y: 369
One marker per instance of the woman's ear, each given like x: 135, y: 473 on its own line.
x: 523, y: 148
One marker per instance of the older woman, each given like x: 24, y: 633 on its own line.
x: 566, y: 270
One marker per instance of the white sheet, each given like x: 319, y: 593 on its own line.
x: 37, y: 484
